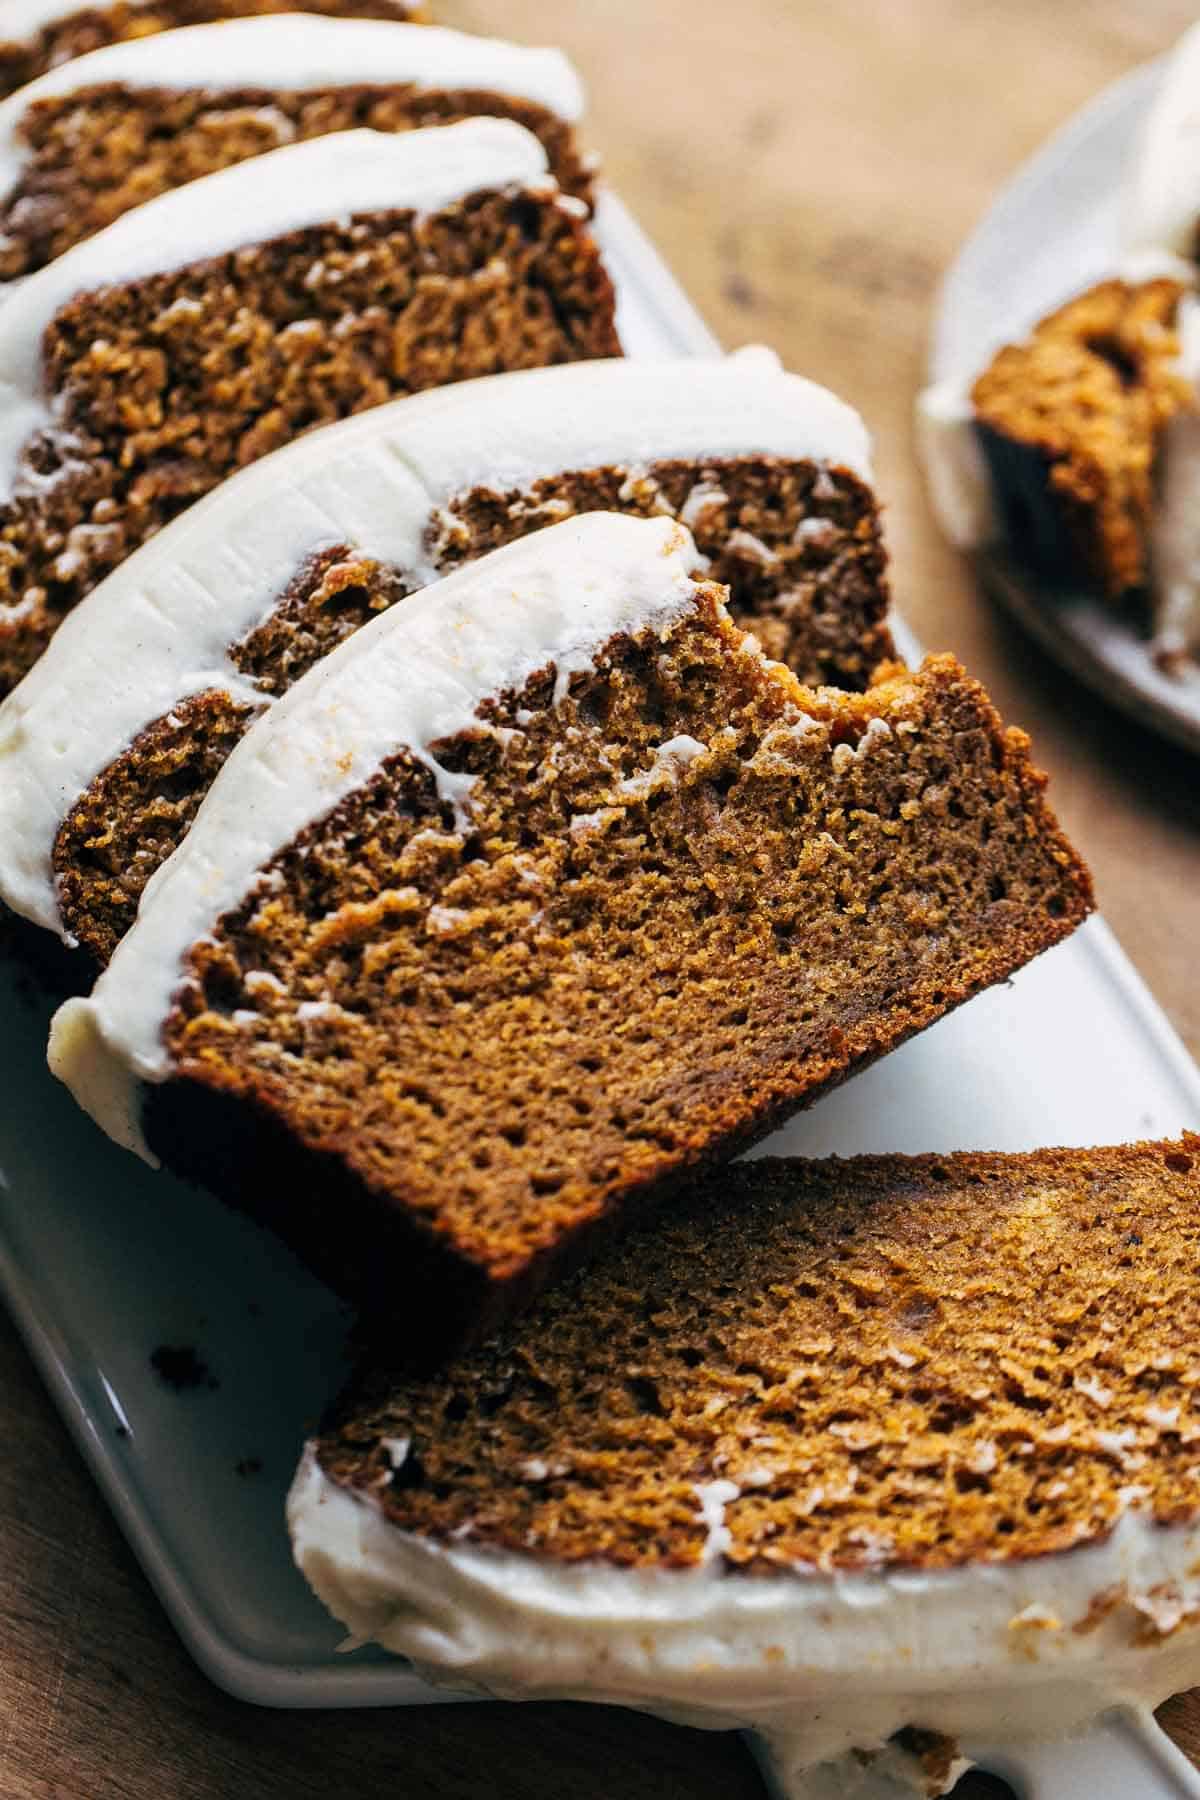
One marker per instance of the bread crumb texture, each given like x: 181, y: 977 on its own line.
x: 894, y: 1361
x: 164, y: 386
x: 1072, y: 419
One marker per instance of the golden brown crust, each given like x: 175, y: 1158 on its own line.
x: 798, y: 543
x: 164, y: 386
x: 95, y: 154
x: 506, y: 1040
x: 90, y: 27
x: 899, y: 1361
x: 1076, y: 413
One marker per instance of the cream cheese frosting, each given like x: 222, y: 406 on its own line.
x: 822, y: 1663
x: 411, y: 678
x: 289, y: 52
x: 326, y: 179
x: 1160, y: 206
x: 159, y: 628
x: 1160, y: 216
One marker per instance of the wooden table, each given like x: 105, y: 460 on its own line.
x: 808, y: 170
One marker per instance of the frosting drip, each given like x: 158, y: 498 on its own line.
x: 822, y: 1664
x: 1160, y: 206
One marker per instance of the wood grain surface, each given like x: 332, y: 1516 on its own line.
x: 808, y: 171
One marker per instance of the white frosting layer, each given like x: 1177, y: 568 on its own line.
x: 1175, y: 535
x: 1160, y: 215
x: 821, y: 1663
x: 297, y: 51
x: 1175, y: 541
x: 1160, y: 207
x: 412, y: 677
x: 159, y: 628
x: 21, y: 19
x: 634, y: 413
x: 326, y: 179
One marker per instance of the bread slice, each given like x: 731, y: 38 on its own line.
x: 898, y: 1362
x: 221, y: 321
x: 151, y: 114
x: 864, y: 1454
x: 541, y: 891
x: 1072, y: 422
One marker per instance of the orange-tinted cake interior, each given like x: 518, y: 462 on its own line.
x: 692, y: 897
x: 1071, y: 423
x: 896, y: 1361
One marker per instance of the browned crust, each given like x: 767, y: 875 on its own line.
x: 672, y: 981
x: 96, y: 153
x: 1084, y: 402
x: 91, y: 27
x: 901, y: 1362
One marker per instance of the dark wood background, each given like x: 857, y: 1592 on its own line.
x: 808, y: 171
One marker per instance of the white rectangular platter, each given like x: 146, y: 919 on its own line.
x: 101, y: 1260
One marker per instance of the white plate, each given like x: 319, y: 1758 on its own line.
x: 101, y: 1260
x: 1052, y: 232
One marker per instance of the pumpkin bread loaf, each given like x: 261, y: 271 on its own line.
x: 898, y: 1361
